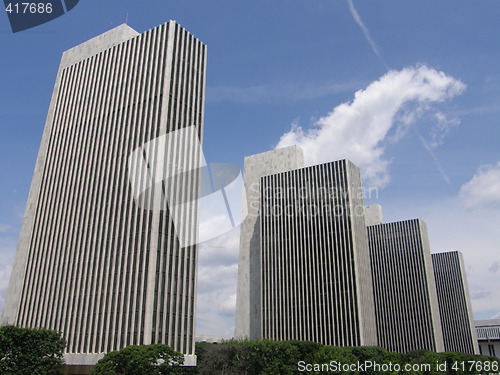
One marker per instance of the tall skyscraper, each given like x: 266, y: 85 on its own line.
x: 457, y: 320
x: 311, y: 252
x: 406, y: 305
x: 316, y: 276
x: 248, y: 300
x: 99, y: 256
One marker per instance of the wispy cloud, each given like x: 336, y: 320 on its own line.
x: 277, y: 92
x: 355, y: 15
x: 428, y: 146
x: 495, y: 266
x: 431, y: 152
x: 443, y: 125
x: 480, y: 294
x: 482, y: 110
x: 483, y: 190
x: 360, y: 130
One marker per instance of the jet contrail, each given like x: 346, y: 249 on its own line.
x: 433, y: 155
x: 355, y: 15
x: 359, y: 21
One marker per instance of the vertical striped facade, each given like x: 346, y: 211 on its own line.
x: 406, y: 306
x: 457, y: 320
x: 315, y: 271
x: 90, y: 261
x: 248, y: 297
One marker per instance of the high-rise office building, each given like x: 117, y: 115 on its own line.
x: 99, y: 256
x: 312, y: 250
x: 457, y: 320
x: 406, y: 305
x: 248, y: 298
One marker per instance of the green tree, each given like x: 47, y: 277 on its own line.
x: 420, y: 359
x: 336, y: 356
x: 157, y: 359
x: 224, y: 359
x: 268, y: 357
x: 25, y: 351
x: 466, y: 364
x: 271, y: 357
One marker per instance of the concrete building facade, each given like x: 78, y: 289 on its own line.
x: 457, y: 320
x: 248, y: 300
x: 406, y: 304
x: 94, y: 261
x: 373, y: 215
x: 488, y: 335
x: 315, y: 272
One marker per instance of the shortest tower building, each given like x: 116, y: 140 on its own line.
x: 488, y: 334
x: 406, y: 306
x: 455, y: 308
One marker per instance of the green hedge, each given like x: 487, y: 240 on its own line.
x: 268, y: 357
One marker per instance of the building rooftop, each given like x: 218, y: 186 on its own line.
x: 488, y: 329
x: 487, y: 323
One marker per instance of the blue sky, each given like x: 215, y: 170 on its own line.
x: 423, y: 124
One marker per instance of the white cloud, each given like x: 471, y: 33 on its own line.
x: 481, y: 110
x: 484, y: 188
x: 480, y: 294
x: 221, y: 251
x: 360, y: 130
x: 217, y: 276
x: 228, y: 307
x: 443, y: 126
x: 7, y: 251
x: 5, y: 271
